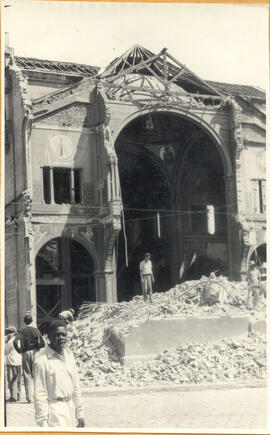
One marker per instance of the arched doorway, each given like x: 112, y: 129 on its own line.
x: 64, y: 278
x: 172, y: 180
x: 146, y: 199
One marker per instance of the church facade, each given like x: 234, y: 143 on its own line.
x: 103, y: 166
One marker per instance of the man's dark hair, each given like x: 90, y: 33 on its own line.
x: 28, y: 319
x: 54, y: 325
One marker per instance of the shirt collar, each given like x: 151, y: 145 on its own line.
x: 51, y: 353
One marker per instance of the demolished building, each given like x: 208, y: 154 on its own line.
x: 102, y: 166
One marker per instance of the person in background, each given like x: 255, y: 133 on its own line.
x: 255, y: 289
x: 57, y: 397
x: 28, y: 341
x: 67, y: 316
x: 13, y: 364
x: 147, y: 277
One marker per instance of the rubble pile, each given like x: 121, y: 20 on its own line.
x: 226, y: 360
x: 183, y: 299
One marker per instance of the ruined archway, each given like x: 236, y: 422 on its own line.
x: 64, y: 278
x: 171, y: 173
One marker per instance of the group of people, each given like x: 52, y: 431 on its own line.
x: 19, y: 353
x: 49, y: 372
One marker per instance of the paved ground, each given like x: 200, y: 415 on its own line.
x: 243, y: 408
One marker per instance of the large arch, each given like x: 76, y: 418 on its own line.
x: 64, y: 277
x: 66, y: 234
x: 127, y: 137
x: 185, y: 114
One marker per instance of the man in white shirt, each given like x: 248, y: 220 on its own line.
x: 57, y: 396
x: 147, y: 277
x: 255, y: 289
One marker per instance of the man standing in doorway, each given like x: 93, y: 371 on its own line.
x: 57, y: 397
x: 147, y: 277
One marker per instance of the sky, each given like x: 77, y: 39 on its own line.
x: 217, y: 42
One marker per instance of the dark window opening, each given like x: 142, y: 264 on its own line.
x: 258, y: 196
x: 77, y: 185
x: 261, y: 195
x: 46, y: 185
x: 62, y: 186
x: 66, y: 188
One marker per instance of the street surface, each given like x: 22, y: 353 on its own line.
x: 243, y: 408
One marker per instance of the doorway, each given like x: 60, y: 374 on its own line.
x: 64, y: 278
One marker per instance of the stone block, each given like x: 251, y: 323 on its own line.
x: 149, y: 339
x: 257, y: 323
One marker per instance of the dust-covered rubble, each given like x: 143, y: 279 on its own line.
x: 228, y: 360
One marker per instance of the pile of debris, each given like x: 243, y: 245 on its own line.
x: 226, y: 360
x: 183, y: 299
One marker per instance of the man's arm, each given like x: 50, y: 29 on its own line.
x: 76, y: 396
x: 40, y: 393
x: 153, y: 279
x: 141, y: 267
x: 40, y: 340
x: 17, y: 343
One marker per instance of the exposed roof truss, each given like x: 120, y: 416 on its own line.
x: 163, y: 66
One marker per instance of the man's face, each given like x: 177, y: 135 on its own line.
x: 147, y: 258
x: 58, y: 338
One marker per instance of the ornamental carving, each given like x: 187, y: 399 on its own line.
x: 110, y: 235
x: 87, y: 233
x: 27, y: 204
x: 75, y: 115
x: 39, y: 233
x: 47, y: 101
x: 108, y: 143
x: 84, y: 231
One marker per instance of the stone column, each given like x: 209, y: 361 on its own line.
x: 32, y: 279
x: 51, y: 186
x: 66, y: 266
x: 234, y: 243
x: 105, y: 286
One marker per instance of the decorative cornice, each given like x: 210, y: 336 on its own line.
x: 17, y: 74
x: 45, y: 103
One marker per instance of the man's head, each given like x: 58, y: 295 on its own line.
x: 57, y: 333
x: 28, y: 319
x: 147, y: 256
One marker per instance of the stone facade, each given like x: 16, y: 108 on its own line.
x: 72, y: 134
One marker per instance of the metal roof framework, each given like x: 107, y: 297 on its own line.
x: 163, y: 66
x: 33, y: 64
